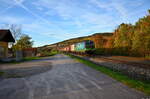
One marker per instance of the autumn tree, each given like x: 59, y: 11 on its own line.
x: 133, y: 39
x: 123, y: 35
x: 122, y: 38
x: 141, y: 38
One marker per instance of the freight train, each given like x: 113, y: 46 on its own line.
x: 80, y: 47
x: 93, y: 44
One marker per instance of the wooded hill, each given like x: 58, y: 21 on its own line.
x: 78, y: 39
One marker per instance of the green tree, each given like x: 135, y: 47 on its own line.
x: 23, y: 42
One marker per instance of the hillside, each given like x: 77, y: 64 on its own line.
x: 78, y: 39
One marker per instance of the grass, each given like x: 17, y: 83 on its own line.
x: 47, y: 53
x: 1, y: 73
x: 31, y: 58
x: 147, y: 57
x: 139, y: 85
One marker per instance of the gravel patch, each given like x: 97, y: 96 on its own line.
x: 25, y: 69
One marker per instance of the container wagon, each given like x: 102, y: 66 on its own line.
x: 83, y: 47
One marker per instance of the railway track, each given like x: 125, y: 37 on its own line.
x: 136, y: 64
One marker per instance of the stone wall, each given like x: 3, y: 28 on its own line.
x: 133, y: 72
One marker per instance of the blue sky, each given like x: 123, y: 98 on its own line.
x: 50, y: 21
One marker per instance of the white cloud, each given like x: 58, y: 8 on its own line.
x: 10, y: 4
x: 62, y: 19
x: 122, y: 11
x: 113, y: 5
x: 11, y: 19
x: 78, y: 15
x: 100, y: 4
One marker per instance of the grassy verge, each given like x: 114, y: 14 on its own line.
x: 30, y: 58
x: 139, y: 85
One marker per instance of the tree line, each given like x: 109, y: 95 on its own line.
x: 130, y: 40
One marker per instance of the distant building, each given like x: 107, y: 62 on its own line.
x: 5, y: 38
x: 29, y: 52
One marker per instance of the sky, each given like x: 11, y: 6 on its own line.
x: 51, y: 21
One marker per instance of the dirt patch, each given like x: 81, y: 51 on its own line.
x: 25, y: 69
x: 23, y: 72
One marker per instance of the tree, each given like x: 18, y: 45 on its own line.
x: 14, y: 28
x: 16, y: 31
x: 141, y: 38
x: 123, y: 35
x: 23, y: 42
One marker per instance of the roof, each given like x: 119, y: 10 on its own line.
x: 6, y: 36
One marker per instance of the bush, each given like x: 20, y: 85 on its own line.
x: 48, y: 53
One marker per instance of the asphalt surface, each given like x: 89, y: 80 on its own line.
x: 67, y: 79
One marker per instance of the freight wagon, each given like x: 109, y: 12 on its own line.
x: 72, y: 47
x: 83, y: 46
x: 80, y: 48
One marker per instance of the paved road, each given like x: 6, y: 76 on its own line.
x: 68, y: 79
